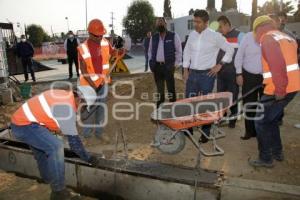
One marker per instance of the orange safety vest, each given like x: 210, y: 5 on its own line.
x: 289, y: 51
x: 38, y: 109
x: 98, y: 79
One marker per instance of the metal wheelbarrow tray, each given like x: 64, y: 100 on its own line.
x: 174, y: 119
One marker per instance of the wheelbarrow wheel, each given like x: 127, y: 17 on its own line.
x: 168, y: 142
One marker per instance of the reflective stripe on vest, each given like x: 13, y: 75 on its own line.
x: 289, y: 68
x: 288, y: 48
x: 86, y: 52
x: 45, y: 107
x: 28, y: 113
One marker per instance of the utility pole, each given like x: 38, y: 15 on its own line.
x: 86, y: 25
x: 52, y: 31
x: 67, y: 22
x: 112, y: 24
x: 281, y: 6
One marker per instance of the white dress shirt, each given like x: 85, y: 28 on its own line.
x: 201, y: 50
x: 248, y: 56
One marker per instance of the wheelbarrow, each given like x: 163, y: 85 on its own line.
x: 175, y: 119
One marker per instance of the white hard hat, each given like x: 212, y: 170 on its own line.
x: 88, y: 94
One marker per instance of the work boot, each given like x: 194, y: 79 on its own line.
x: 260, y: 163
x: 279, y: 157
x: 64, y: 195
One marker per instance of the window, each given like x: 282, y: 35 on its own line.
x: 190, y: 24
x: 172, y: 27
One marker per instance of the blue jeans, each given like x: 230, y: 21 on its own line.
x: 267, y: 128
x: 48, y: 151
x: 199, y: 83
x: 95, y: 121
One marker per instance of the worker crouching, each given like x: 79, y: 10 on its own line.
x: 41, y: 122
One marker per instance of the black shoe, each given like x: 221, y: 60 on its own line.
x: 64, y: 195
x: 203, y: 139
x: 260, y: 163
x: 246, y: 137
x: 279, y: 157
x: 231, y: 124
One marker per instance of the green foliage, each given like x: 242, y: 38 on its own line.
x: 167, y: 9
x: 273, y: 6
x: 228, y: 4
x: 139, y: 19
x: 37, y: 35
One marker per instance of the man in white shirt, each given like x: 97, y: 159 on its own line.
x: 199, y: 59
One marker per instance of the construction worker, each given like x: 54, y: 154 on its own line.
x: 71, y: 44
x: 226, y: 79
x: 200, y: 60
x: 282, y: 81
x: 25, y: 51
x: 41, y: 122
x: 94, y: 57
x: 165, y: 54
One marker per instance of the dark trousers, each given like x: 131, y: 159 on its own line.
x: 199, y: 83
x: 146, y: 61
x: 251, y: 81
x: 73, y: 59
x: 226, y: 82
x: 267, y: 127
x: 163, y: 74
x: 27, y: 65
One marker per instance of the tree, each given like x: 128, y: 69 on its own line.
x: 167, y: 9
x: 139, y: 19
x: 228, y: 4
x: 273, y: 6
x: 254, y: 12
x: 211, y: 5
x: 37, y: 35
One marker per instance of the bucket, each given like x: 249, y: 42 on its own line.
x: 25, y: 90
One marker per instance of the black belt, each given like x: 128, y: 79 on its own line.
x: 200, y: 71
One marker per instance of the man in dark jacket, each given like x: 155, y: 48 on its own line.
x: 165, y: 52
x: 71, y: 44
x: 226, y: 81
x: 25, y: 51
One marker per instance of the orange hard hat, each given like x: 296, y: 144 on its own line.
x: 96, y: 27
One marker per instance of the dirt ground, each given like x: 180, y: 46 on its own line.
x: 139, y: 134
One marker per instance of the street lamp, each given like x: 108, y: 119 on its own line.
x: 67, y: 23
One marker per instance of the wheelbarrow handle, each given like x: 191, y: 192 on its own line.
x: 247, y: 94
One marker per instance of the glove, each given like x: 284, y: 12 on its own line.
x: 95, y: 160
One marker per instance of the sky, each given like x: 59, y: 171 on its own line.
x: 51, y: 14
